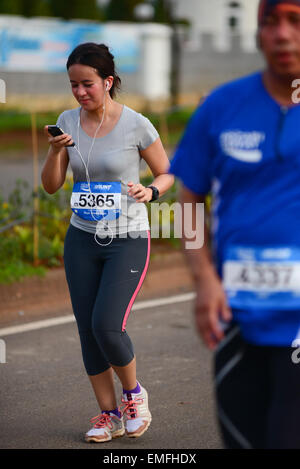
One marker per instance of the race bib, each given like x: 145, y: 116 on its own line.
x: 262, y: 277
x: 97, y: 200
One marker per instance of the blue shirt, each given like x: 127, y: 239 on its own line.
x: 244, y: 148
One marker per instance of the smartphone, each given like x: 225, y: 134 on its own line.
x: 54, y: 130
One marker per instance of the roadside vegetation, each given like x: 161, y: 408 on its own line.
x: 17, y: 217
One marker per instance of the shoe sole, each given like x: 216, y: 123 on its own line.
x: 117, y: 434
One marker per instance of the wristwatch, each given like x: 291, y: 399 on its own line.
x: 155, y: 193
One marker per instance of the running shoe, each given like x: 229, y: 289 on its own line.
x: 106, y: 427
x: 136, y: 414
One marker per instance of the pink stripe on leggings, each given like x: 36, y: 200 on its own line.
x: 138, y: 287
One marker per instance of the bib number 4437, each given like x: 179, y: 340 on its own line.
x: 262, y: 277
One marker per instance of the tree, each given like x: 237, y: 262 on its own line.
x: 11, y: 7
x: 68, y: 9
x: 25, y: 7
x: 35, y: 8
x: 121, y: 10
x: 162, y: 11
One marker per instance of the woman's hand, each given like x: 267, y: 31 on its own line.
x: 59, y: 142
x: 55, y: 167
x: 139, y: 192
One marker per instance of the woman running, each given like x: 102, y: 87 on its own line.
x: 107, y: 245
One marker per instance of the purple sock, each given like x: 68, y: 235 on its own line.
x: 136, y: 390
x: 114, y: 411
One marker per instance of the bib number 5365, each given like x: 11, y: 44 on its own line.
x: 96, y: 200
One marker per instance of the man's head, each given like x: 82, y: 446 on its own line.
x: 279, y: 35
x: 266, y: 7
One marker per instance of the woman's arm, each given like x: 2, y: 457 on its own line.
x: 157, y: 160
x: 55, y: 168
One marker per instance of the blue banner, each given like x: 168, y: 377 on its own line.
x: 45, y: 45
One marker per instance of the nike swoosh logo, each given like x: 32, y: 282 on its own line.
x: 133, y: 271
x: 250, y: 156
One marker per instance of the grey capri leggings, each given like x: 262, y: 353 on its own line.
x: 103, y: 283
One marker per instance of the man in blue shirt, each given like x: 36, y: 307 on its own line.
x: 242, y: 145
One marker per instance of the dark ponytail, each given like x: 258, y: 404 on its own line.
x: 99, y: 57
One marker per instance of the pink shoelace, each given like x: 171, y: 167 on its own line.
x: 130, y: 407
x: 102, y: 420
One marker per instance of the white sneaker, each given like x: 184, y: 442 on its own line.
x: 136, y: 414
x: 106, y: 427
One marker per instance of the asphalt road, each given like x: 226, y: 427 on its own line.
x: 46, y: 400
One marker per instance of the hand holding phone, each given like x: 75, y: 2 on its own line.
x: 55, y: 131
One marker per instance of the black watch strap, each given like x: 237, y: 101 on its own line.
x: 155, y: 193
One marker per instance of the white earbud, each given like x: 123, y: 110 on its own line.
x: 107, y: 86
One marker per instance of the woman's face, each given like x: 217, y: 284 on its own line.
x: 87, y: 86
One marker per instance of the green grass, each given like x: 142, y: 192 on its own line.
x: 175, y: 117
x: 14, y: 120
x: 13, y: 272
x: 13, y: 146
x: 170, y: 126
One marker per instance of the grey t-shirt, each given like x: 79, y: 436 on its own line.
x: 114, y: 157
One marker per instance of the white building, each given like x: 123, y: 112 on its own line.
x: 220, y: 18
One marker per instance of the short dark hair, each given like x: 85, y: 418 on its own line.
x: 99, y: 57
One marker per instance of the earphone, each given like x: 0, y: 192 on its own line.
x: 107, y: 86
x: 86, y: 164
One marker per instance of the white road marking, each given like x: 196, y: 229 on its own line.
x: 34, y: 325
